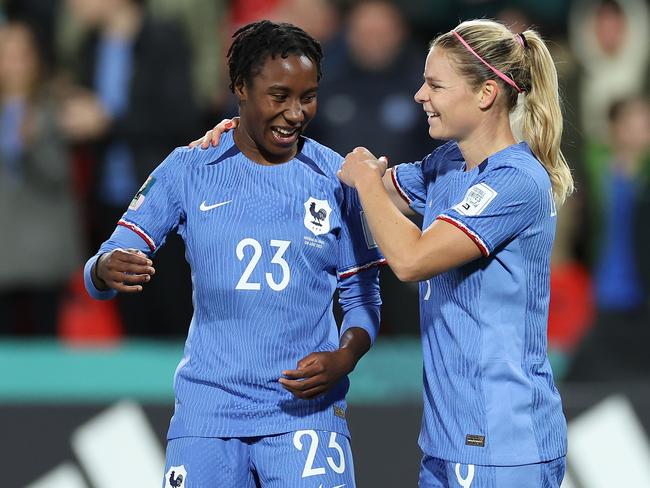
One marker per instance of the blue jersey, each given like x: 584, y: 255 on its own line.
x: 267, y: 246
x: 489, y: 395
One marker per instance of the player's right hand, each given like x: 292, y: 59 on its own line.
x: 211, y: 137
x: 124, y: 270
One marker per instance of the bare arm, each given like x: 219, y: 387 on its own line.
x: 412, y: 254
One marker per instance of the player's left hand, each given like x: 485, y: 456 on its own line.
x: 318, y: 372
x: 361, y: 164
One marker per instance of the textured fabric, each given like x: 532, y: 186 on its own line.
x: 267, y: 246
x: 437, y: 473
x: 292, y: 460
x: 489, y: 396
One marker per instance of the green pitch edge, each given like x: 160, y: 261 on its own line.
x: 52, y: 372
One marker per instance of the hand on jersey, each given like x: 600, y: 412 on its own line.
x: 361, y: 164
x: 318, y: 372
x: 211, y: 137
x: 124, y: 270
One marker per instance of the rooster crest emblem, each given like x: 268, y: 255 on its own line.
x: 175, y: 477
x: 317, y: 216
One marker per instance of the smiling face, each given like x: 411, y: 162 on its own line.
x: 451, y: 104
x: 275, y: 107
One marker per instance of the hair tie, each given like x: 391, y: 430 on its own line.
x: 522, y: 40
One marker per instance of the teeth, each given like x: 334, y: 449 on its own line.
x: 284, y: 132
x: 432, y: 114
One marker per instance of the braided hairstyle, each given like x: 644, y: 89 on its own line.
x: 255, y: 42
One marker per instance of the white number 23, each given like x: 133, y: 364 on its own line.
x: 244, y: 283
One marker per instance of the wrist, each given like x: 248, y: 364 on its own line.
x: 99, y: 283
x: 369, y: 181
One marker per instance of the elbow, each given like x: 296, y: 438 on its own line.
x: 407, y: 269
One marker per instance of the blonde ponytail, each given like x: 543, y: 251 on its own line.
x: 542, y: 116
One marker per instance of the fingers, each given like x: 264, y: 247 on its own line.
x: 126, y: 270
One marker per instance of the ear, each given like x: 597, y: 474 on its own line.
x: 241, y: 92
x: 488, y: 94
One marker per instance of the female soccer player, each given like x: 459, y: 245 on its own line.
x: 270, y: 233
x: 492, y: 415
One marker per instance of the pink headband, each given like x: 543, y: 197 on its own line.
x: 501, y: 75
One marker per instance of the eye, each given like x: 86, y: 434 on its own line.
x: 309, y: 98
x: 278, y: 97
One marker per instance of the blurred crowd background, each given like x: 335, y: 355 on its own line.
x: 95, y: 93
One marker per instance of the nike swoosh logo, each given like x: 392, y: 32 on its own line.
x: 205, y: 207
x: 339, y: 486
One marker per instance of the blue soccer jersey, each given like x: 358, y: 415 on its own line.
x: 267, y: 246
x: 489, y: 395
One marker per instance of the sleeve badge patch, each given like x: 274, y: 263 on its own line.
x: 139, y: 197
x: 476, y: 200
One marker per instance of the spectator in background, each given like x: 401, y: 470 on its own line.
x: 40, y: 244
x: 611, y: 42
x: 618, y: 186
x: 368, y: 100
x: 137, y: 105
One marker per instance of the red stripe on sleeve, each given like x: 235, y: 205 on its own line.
x: 476, y: 239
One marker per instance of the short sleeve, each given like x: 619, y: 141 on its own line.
x: 156, y: 208
x: 409, y: 182
x: 497, y: 208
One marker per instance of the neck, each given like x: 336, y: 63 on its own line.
x: 484, y: 141
x: 124, y: 22
x: 255, y: 152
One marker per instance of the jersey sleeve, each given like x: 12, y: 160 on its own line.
x: 497, y: 208
x: 358, y: 269
x: 154, y: 212
x: 156, y: 208
x: 408, y: 180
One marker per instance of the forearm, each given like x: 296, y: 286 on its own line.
x: 356, y: 342
x: 397, y: 237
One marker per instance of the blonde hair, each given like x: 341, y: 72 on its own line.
x: 527, y: 61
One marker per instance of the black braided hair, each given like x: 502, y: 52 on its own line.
x: 255, y: 42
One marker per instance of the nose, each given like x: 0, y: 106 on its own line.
x: 294, y: 113
x: 421, y: 95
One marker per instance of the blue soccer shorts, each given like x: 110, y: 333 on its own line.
x: 438, y: 473
x: 305, y: 458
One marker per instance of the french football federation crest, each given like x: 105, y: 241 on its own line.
x: 175, y: 477
x: 317, y: 216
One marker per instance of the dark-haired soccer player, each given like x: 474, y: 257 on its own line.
x: 269, y: 233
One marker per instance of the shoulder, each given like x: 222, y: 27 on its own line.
x: 185, y: 159
x: 320, y: 158
x: 519, y: 163
x: 443, y: 159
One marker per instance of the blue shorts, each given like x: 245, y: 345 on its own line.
x: 438, y: 473
x: 295, y: 459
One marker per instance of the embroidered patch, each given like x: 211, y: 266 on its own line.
x: 175, y: 477
x: 139, y: 197
x: 317, y: 216
x: 475, y: 440
x: 476, y: 199
x: 339, y: 412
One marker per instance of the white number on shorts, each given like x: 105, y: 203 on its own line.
x: 467, y: 481
x: 313, y: 446
x: 309, y: 469
x: 335, y: 445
